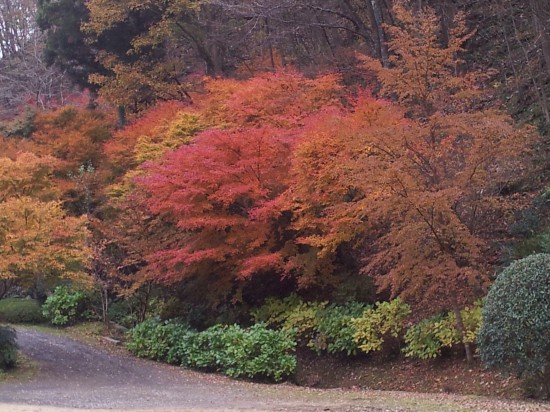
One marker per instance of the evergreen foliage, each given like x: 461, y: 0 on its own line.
x: 515, y: 332
x: 8, y: 348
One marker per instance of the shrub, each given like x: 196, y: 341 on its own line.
x: 291, y: 315
x: 274, y: 312
x: 258, y: 352
x: 426, y: 339
x: 121, y: 312
x: 154, y: 340
x: 14, y: 310
x: 302, y: 320
x: 8, y: 348
x: 22, y: 126
x: 377, y: 324
x: 335, y: 331
x: 63, y: 306
x: 237, y: 352
x: 206, y: 349
x: 515, y: 331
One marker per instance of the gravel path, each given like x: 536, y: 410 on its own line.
x: 75, y: 375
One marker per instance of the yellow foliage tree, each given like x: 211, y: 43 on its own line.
x: 26, y: 175
x: 38, y: 242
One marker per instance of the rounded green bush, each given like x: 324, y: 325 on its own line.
x: 8, y: 348
x: 255, y: 352
x: 335, y: 330
x: 515, y: 331
x: 14, y: 310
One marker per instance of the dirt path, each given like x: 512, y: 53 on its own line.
x: 76, y: 375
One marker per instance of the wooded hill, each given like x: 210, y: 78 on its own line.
x: 233, y: 151
x: 138, y: 52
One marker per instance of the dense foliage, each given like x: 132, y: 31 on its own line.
x: 64, y: 306
x: 372, y: 189
x: 514, y: 336
x: 16, y: 310
x: 429, y: 337
x: 8, y: 348
x: 237, y: 352
x: 376, y: 326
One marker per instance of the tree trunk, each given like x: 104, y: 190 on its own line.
x: 541, y: 29
x: 121, y: 110
x: 462, y: 333
x: 361, y: 27
x: 374, y: 13
x: 105, y: 306
x: 270, y: 45
x: 5, y: 285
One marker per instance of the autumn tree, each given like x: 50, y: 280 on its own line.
x: 73, y: 135
x: 165, y: 127
x: 335, y: 184
x: 222, y: 189
x: 26, y: 175
x: 281, y: 99
x: 123, y: 239
x: 445, y: 171
x: 39, y: 244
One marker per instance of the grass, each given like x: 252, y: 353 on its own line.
x: 87, y: 331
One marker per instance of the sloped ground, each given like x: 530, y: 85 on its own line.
x: 448, y: 374
x: 75, y: 375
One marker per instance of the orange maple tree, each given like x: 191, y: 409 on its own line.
x: 420, y: 184
x: 72, y: 135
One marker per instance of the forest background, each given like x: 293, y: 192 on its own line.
x: 202, y: 159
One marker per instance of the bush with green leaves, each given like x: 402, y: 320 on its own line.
x: 15, y: 310
x: 515, y: 331
x: 379, y: 323
x: 238, y: 352
x: 22, y: 126
x: 291, y: 314
x: 8, y: 348
x: 154, y: 340
x: 334, y: 328
x: 121, y: 313
x: 252, y: 352
x: 274, y: 312
x: 64, y: 306
x: 426, y: 339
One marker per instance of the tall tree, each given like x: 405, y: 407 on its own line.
x: 222, y: 190
x: 447, y: 172
x: 418, y: 190
x: 148, y: 62
x: 65, y: 44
